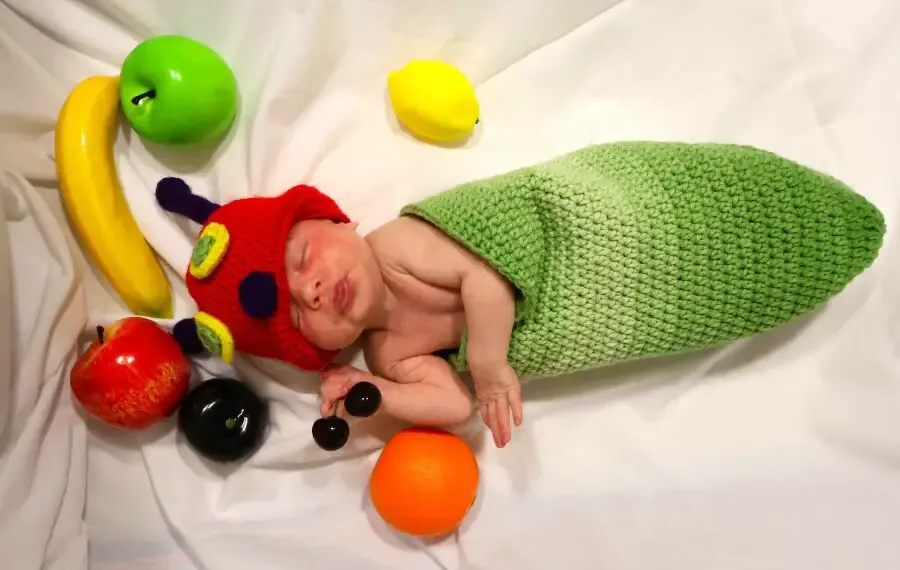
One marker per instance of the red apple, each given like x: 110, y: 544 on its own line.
x: 133, y: 375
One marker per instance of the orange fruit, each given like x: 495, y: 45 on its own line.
x: 424, y: 482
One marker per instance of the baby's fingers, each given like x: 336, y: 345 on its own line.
x: 501, y: 415
x: 332, y: 391
x: 489, y: 417
x: 327, y: 407
x: 515, y: 402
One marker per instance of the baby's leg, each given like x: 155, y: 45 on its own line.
x: 422, y: 390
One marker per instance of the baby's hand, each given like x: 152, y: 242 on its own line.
x: 337, y: 379
x: 499, y: 393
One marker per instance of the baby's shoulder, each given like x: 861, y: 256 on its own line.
x: 405, y: 232
x: 419, y: 247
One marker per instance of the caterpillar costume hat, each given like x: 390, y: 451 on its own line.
x: 237, y: 274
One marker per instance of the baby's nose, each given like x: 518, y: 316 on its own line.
x: 310, y: 290
x: 306, y: 287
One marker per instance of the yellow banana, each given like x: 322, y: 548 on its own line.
x: 95, y: 203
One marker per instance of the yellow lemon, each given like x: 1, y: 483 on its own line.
x: 434, y: 100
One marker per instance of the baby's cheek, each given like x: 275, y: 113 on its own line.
x: 316, y: 331
x: 332, y: 335
x: 295, y: 315
x: 294, y: 283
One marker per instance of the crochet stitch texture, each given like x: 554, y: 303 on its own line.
x: 635, y: 249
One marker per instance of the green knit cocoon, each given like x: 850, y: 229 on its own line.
x: 637, y: 249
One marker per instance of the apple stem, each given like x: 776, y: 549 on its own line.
x: 136, y: 100
x: 337, y: 404
x: 100, y: 333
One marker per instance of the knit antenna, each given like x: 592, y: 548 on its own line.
x: 174, y: 195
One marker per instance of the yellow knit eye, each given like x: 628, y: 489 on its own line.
x: 215, y: 336
x: 209, y: 250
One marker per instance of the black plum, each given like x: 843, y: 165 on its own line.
x: 223, y: 419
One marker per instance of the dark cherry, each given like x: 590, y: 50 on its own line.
x: 362, y: 400
x: 331, y: 433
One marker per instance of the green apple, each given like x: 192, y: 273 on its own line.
x: 177, y: 91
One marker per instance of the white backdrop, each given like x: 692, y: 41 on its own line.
x: 778, y: 452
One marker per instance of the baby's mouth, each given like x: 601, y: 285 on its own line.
x: 342, y: 295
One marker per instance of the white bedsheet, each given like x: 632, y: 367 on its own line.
x: 781, y: 452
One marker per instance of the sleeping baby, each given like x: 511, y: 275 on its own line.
x: 610, y: 253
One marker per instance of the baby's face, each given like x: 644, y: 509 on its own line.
x: 334, y: 280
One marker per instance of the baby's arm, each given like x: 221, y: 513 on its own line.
x: 423, y: 390
x: 421, y: 251
x: 489, y: 303
x: 488, y: 300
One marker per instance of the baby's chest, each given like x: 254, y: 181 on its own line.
x: 424, y: 332
x: 417, y: 330
x: 384, y: 348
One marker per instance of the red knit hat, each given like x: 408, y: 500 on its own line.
x: 237, y: 272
